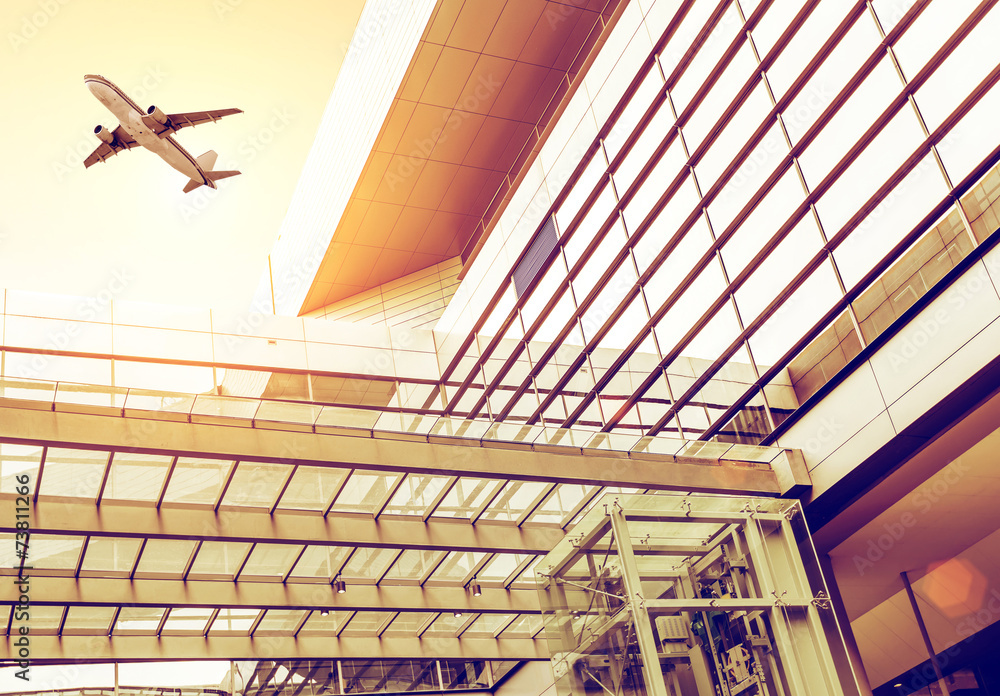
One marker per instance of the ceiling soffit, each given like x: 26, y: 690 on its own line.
x: 485, y: 80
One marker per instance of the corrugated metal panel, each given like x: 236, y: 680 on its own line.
x: 530, y: 267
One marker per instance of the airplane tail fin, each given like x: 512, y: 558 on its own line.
x: 207, y: 162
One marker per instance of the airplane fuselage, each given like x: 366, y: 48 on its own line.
x: 129, y: 115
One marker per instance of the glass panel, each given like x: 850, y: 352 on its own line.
x: 689, y: 308
x: 707, y: 57
x: 256, y: 485
x: 328, y: 625
x: 934, y: 254
x: 823, y: 358
x: 733, y: 138
x: 375, y: 676
x: 465, y: 675
x: 778, y: 269
x: 312, y: 488
x: 645, y: 147
x: 320, y: 562
x: 961, y: 71
x: 413, y: 564
x: 524, y: 626
x: 750, y: 425
x: 889, y: 12
x: 976, y: 134
x: 502, y: 566
x: 48, y: 552
x: 366, y: 623
x: 457, y: 566
x: 139, y: 620
x: 187, y: 621
x: 45, y: 620
x: 465, y: 497
x: 486, y: 625
x: 74, y: 473
x: 88, y: 620
x: 804, y: 44
x: 667, y: 278
x: 110, y: 555
x: 222, y: 558
x: 591, y: 224
x: 416, y: 494
x: 800, y: 311
x: 18, y: 460
x: 408, y: 623
x: 280, y: 622
x: 197, y: 480
x: 668, y: 220
x: 136, y: 476
x: 881, y: 156
x: 234, y: 621
x: 364, y: 492
x: 607, y: 301
x: 561, y: 502
x: 168, y: 557
x: 516, y: 497
x: 892, y: 220
x: 718, y: 99
x: 582, y: 188
x: 928, y: 32
x: 761, y: 224
x: 369, y: 564
x: 448, y: 624
x: 271, y: 560
x: 980, y: 205
x: 831, y: 77
x: 650, y: 87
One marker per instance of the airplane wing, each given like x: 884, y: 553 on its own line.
x: 195, y: 118
x: 123, y: 141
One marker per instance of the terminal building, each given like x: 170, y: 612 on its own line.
x: 608, y: 346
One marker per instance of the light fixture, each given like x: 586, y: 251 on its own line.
x: 458, y: 614
x: 324, y: 612
x: 339, y: 585
x: 474, y: 587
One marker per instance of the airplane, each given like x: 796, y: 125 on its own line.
x: 153, y: 130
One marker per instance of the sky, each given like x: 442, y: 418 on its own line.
x: 125, y: 226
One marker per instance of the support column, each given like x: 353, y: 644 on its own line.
x: 651, y: 671
x: 923, y: 634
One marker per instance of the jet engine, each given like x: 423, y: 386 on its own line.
x: 157, y: 114
x: 104, y: 134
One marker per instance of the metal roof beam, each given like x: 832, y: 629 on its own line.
x: 84, y: 649
x: 95, y: 592
x: 456, y: 457
x: 283, y: 527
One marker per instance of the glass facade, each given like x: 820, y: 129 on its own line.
x: 757, y: 209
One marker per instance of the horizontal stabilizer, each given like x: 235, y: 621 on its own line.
x: 212, y: 178
x: 223, y: 174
